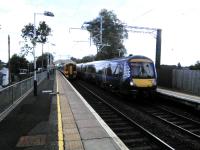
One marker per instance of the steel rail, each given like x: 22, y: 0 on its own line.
x: 158, y: 140
x: 162, y: 110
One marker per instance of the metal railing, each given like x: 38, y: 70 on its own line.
x: 12, y: 94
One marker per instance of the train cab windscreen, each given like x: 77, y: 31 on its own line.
x: 142, y: 70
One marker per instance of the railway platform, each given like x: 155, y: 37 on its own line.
x: 79, y: 126
x: 181, y: 97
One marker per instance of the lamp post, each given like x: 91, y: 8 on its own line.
x: 46, y: 13
x: 49, y: 61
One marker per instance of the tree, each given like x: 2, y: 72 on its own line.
x: 40, y: 59
x: 113, y: 34
x: 45, y: 57
x: 28, y: 35
x: 179, y: 65
x: 42, y: 33
x: 87, y: 58
x: 196, y: 66
x: 31, y: 66
x: 18, y: 62
x: 75, y: 60
x: 1, y: 64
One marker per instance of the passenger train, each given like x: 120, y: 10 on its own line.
x: 129, y: 75
x: 69, y: 70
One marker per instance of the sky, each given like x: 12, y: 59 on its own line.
x: 178, y: 19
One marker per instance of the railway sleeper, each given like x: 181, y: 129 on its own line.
x: 183, y: 123
x: 164, y: 116
x: 168, y: 117
x: 158, y: 114
x: 108, y: 116
x: 138, y: 142
x: 173, y: 119
x: 102, y: 111
x: 196, y: 131
x: 129, y: 135
x: 187, y: 126
x: 144, y: 148
x: 110, y: 120
x: 177, y: 122
x: 123, y: 128
x: 116, y: 124
x: 106, y: 113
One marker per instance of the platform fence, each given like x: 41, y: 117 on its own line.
x: 12, y: 93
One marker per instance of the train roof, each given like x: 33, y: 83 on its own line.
x: 122, y: 59
x: 130, y: 57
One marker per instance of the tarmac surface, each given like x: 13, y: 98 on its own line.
x: 27, y: 126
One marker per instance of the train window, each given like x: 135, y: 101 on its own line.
x: 74, y: 67
x: 99, y: 69
x: 84, y: 69
x: 121, y: 69
x: 142, y: 70
x: 113, y: 67
x: 87, y: 69
x: 109, y: 70
x: 91, y: 69
x: 117, y: 70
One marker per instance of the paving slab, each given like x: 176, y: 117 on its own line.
x: 89, y: 123
x: 93, y: 133
x: 100, y: 144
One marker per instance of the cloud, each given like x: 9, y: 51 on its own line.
x: 177, y: 19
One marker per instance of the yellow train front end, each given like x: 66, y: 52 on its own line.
x: 70, y: 71
x: 143, y: 77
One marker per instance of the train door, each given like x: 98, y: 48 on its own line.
x: 70, y: 69
x: 109, y: 75
x: 103, y: 76
x: 117, y: 74
x: 105, y: 72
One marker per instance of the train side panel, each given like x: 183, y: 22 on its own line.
x: 129, y: 75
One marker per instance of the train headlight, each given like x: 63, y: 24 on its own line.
x: 131, y: 83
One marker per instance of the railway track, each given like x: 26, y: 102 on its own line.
x: 187, y: 125
x: 132, y: 134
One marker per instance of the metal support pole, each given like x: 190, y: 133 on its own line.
x: 158, y: 48
x: 35, y: 78
x: 101, y: 24
x: 9, y: 70
x: 90, y: 39
x: 42, y: 57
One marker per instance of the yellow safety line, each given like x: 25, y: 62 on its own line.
x: 60, y: 131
